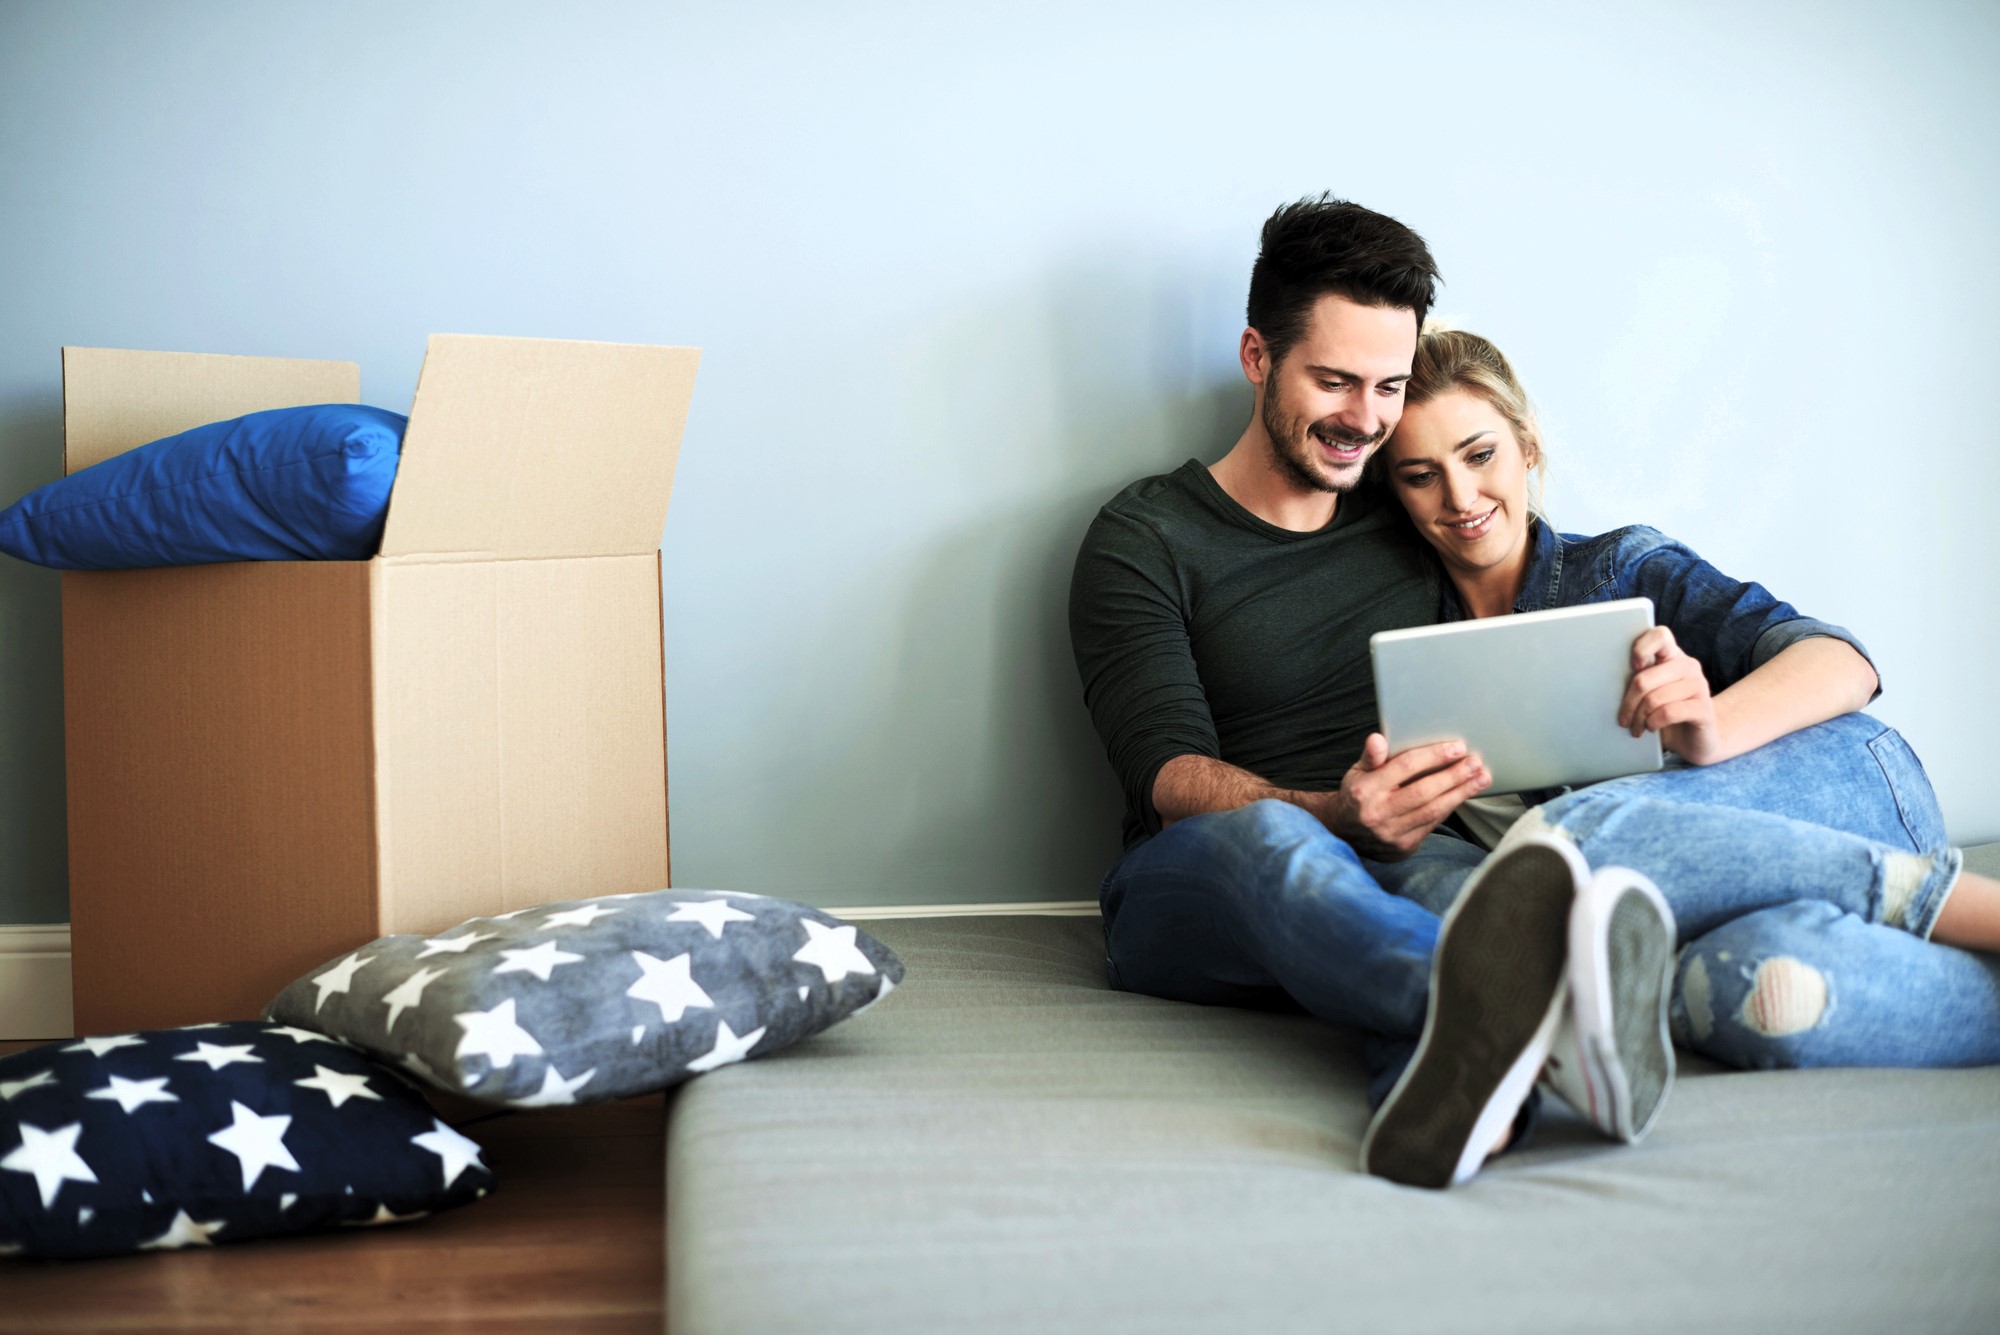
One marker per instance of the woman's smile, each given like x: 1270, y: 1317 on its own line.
x: 1473, y: 528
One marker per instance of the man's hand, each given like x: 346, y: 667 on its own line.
x: 1669, y: 694
x: 1386, y: 804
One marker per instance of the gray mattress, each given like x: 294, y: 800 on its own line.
x: 1006, y: 1144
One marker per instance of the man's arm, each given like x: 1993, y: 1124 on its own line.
x: 1383, y: 808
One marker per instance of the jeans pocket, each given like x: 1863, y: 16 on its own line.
x: 1916, y: 802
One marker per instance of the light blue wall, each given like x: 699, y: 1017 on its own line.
x: 961, y: 275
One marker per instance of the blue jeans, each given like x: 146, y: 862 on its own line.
x: 1796, y: 852
x: 1805, y: 878
x: 1263, y: 907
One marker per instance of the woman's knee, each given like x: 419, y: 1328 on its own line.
x: 1753, y: 992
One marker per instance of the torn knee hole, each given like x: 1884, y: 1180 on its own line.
x: 1787, y: 996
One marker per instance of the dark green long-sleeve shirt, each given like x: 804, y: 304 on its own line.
x: 1199, y: 629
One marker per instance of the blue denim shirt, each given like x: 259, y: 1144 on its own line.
x: 1730, y: 627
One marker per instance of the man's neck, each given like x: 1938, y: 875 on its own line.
x: 1252, y: 477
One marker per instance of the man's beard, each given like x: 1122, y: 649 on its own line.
x: 1294, y: 447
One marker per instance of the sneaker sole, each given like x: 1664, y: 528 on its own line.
x: 1640, y: 944
x: 1497, y: 991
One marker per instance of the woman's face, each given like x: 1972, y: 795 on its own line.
x: 1462, y: 474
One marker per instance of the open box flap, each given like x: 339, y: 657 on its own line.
x: 115, y: 400
x: 521, y: 447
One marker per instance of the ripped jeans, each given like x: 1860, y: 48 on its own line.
x: 1805, y: 878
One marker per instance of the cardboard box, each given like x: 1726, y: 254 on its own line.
x: 272, y: 762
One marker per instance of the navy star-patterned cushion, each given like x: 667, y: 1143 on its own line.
x: 214, y: 1133
x: 595, y: 998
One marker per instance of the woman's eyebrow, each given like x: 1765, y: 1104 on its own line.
x: 1469, y: 439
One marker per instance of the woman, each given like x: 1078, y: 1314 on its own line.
x: 1794, y: 872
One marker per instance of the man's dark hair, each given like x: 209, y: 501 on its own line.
x: 1327, y: 245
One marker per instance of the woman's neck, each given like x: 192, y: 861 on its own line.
x: 1491, y: 590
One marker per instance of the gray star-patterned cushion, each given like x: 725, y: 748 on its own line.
x: 595, y: 998
x: 214, y: 1133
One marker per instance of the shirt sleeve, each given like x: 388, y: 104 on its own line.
x: 1732, y: 627
x: 1129, y: 630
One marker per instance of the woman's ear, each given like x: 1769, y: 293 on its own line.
x: 1531, y: 443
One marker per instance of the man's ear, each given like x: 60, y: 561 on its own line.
x: 1255, y: 355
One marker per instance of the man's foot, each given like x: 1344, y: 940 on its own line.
x: 1612, y: 1059
x: 1497, y: 991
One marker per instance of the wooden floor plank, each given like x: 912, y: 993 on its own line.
x: 573, y: 1241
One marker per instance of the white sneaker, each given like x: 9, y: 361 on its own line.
x: 1496, y: 998
x: 1612, y: 1059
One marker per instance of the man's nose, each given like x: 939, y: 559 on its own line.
x: 1361, y: 415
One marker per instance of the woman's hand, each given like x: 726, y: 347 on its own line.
x: 1669, y: 694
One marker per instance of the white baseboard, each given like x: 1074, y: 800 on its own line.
x: 34, y: 959
x: 1048, y: 908
x: 34, y: 982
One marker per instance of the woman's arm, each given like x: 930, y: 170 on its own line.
x: 1807, y: 682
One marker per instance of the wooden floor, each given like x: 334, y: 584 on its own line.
x: 573, y: 1240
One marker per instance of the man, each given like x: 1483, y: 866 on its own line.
x: 1220, y: 618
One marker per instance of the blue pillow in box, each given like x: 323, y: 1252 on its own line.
x: 287, y: 484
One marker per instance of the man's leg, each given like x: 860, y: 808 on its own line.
x: 1226, y: 907
x: 1808, y: 985
x: 1234, y: 908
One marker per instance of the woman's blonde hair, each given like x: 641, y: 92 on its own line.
x: 1449, y: 359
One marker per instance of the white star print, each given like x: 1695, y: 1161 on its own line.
x: 183, y: 1232
x: 728, y: 1048
x: 257, y: 1142
x: 832, y: 951
x: 880, y: 992
x: 494, y: 1035
x: 84, y: 1215
x: 287, y: 1201
x: 714, y: 914
x: 337, y: 1086
x: 555, y: 1090
x: 97, y: 1047
x: 457, y: 945
x: 51, y: 1157
x: 384, y: 1215
x: 638, y: 1032
x: 218, y: 1057
x: 408, y: 993
x: 577, y: 917
x: 669, y: 985
x: 804, y: 992
x: 457, y: 1152
x: 339, y: 978
x: 9, y: 1088
x: 135, y: 1094
x: 301, y: 1035
x: 540, y: 961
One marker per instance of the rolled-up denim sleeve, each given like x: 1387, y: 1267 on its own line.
x: 1130, y: 636
x: 1732, y: 626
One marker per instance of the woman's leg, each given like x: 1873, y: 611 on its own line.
x: 1807, y: 985
x: 1715, y: 863
x: 1841, y: 811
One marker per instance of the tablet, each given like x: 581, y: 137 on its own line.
x: 1536, y: 695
